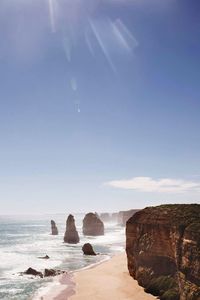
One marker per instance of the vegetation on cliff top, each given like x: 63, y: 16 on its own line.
x: 176, y: 214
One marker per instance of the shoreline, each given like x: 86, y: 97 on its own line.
x: 107, y: 280
x: 65, y: 283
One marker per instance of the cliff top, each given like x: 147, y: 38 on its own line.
x: 186, y: 215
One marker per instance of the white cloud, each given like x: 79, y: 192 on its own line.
x: 163, y: 185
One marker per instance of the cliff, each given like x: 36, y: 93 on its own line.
x: 163, y: 250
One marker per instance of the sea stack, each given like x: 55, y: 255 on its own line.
x: 71, y: 234
x: 54, y: 229
x: 88, y: 249
x: 123, y: 216
x: 163, y: 250
x: 92, y: 225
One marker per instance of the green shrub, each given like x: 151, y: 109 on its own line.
x: 171, y: 294
x: 158, y: 286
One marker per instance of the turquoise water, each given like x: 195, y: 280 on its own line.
x: 24, y: 239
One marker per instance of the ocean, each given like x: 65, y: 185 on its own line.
x: 25, y: 238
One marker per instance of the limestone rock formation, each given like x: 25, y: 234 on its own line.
x: 88, y: 249
x: 114, y: 217
x: 105, y: 217
x: 92, y: 225
x: 123, y: 216
x: 31, y: 271
x: 52, y: 272
x: 54, y: 229
x: 71, y: 234
x: 163, y: 250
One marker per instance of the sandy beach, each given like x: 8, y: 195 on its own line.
x: 109, y: 280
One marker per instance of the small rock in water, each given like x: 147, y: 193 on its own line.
x: 88, y: 249
x: 44, y: 257
x: 34, y: 272
x: 52, y: 272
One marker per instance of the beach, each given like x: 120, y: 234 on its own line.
x: 108, y: 280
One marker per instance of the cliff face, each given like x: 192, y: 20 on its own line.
x: 163, y: 250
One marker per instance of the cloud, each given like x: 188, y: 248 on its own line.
x: 163, y: 185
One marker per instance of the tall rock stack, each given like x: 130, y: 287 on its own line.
x: 71, y: 234
x: 163, y: 250
x: 92, y: 225
x: 54, y: 229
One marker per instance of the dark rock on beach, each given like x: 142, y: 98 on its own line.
x: 88, y: 249
x: 71, y: 234
x: 163, y: 250
x: 92, y: 225
x: 54, y: 229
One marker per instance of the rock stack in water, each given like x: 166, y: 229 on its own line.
x: 123, y: 216
x: 92, y: 225
x: 54, y: 229
x: 88, y: 249
x: 163, y: 250
x: 71, y: 234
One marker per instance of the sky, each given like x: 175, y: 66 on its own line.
x: 99, y: 104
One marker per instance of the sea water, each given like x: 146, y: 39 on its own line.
x: 25, y: 238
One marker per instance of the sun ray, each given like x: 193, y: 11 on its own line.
x: 52, y: 15
x: 102, y: 46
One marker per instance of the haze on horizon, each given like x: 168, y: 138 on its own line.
x: 100, y: 104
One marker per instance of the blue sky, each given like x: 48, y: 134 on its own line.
x: 99, y: 103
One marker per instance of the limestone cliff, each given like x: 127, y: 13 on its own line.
x: 163, y: 250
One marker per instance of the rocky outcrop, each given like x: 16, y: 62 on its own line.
x: 88, y: 249
x: 44, y: 257
x: 52, y: 272
x: 54, y: 229
x: 47, y: 272
x: 123, y: 216
x: 71, y: 234
x: 163, y: 250
x: 92, y: 225
x: 31, y: 271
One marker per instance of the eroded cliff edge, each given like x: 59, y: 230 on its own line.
x: 163, y: 250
